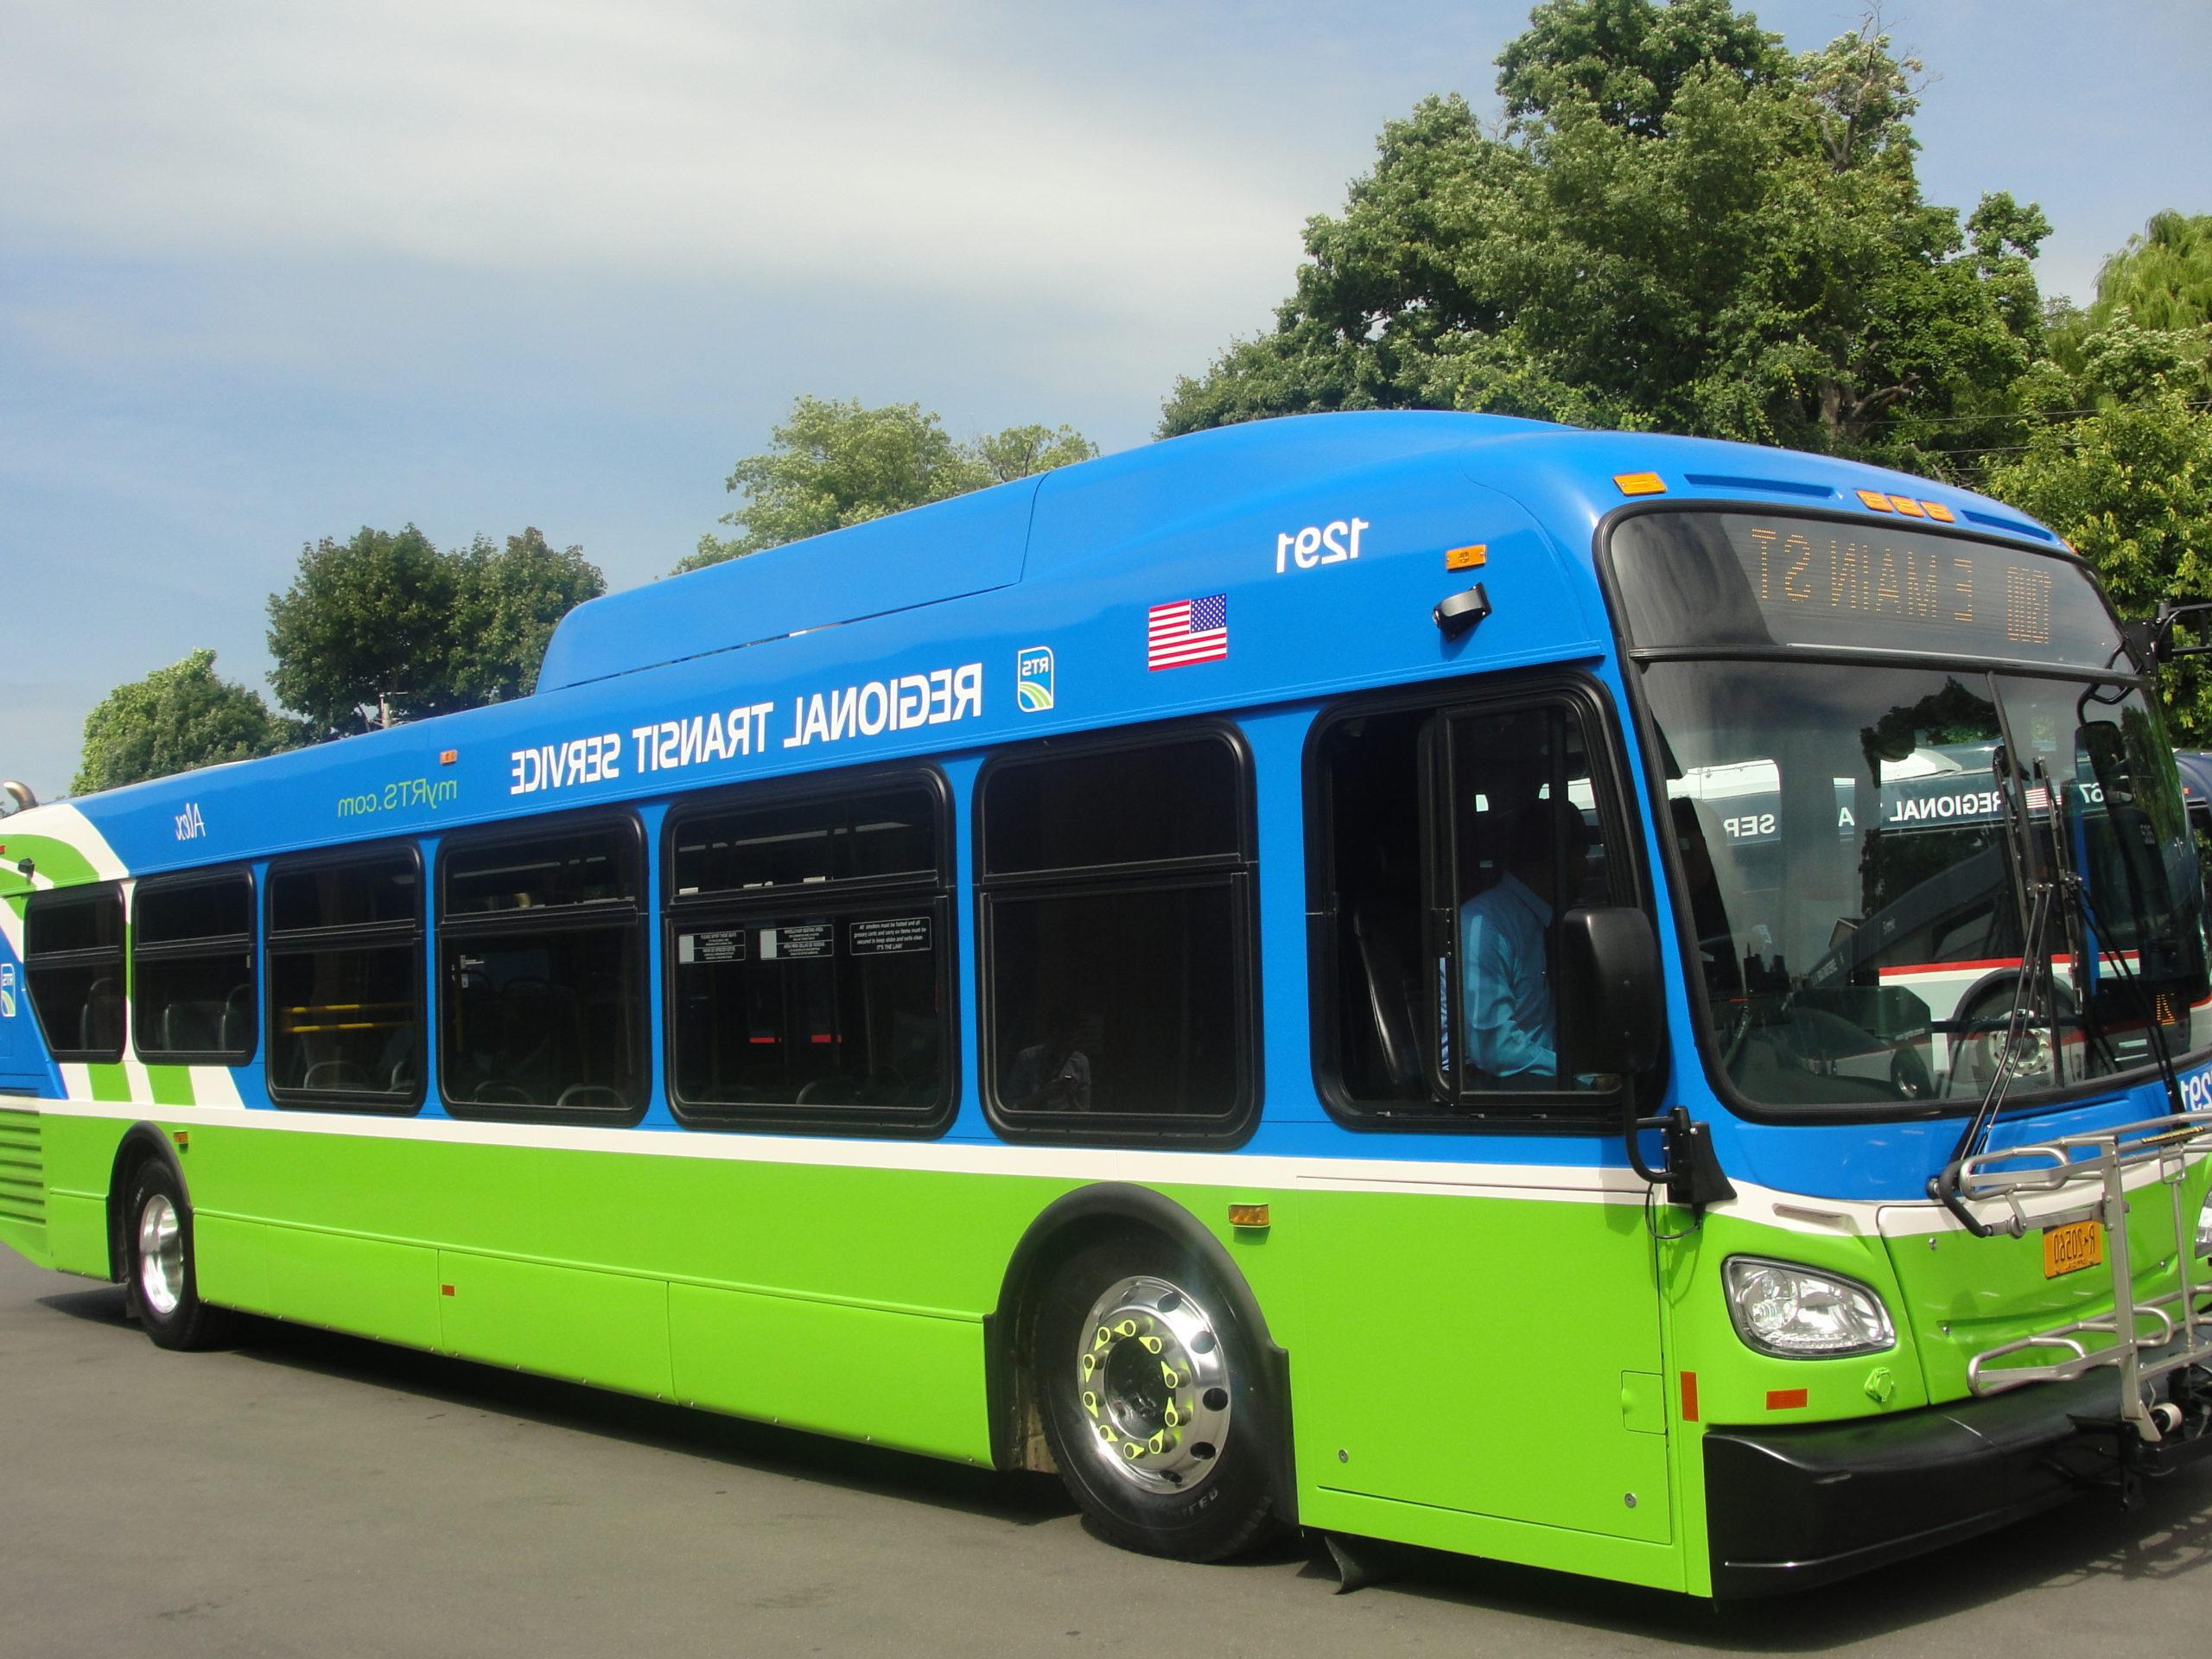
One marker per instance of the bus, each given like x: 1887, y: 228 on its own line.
x: 1224, y: 972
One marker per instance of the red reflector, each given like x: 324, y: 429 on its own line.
x: 1785, y: 1399
x: 1689, y: 1397
x: 445, y: 1290
x: 822, y: 1038
x: 762, y: 1042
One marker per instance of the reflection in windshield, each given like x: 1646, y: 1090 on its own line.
x: 1857, y: 847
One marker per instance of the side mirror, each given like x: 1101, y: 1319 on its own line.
x: 1615, y: 1015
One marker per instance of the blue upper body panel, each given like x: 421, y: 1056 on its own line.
x: 909, y: 637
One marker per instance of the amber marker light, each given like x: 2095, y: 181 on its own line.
x: 1876, y: 499
x: 183, y: 1139
x: 1940, y: 514
x: 1247, y: 1215
x: 1907, y: 505
x: 1640, y: 483
x: 447, y: 757
x: 1467, y: 558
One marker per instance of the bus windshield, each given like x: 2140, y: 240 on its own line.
x: 1860, y: 844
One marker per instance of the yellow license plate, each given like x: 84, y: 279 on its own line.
x: 2069, y: 1248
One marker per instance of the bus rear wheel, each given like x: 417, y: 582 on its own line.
x: 161, y: 1282
x: 1151, y: 1403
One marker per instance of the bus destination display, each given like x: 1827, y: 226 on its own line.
x: 1740, y: 579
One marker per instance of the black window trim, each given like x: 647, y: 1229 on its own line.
x: 935, y: 888
x: 1648, y: 739
x: 597, y: 914
x: 1520, y: 1112
x: 211, y: 944
x: 1238, y: 872
x: 116, y: 954
x: 276, y: 941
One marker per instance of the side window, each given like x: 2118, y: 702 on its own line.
x: 1116, y: 909
x: 808, y: 956
x: 192, y: 968
x: 1452, y: 842
x: 346, y: 981
x: 73, y: 961
x: 541, y: 968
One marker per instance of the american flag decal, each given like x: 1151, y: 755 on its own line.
x: 1187, y: 631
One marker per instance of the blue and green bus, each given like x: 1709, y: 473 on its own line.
x: 1368, y: 972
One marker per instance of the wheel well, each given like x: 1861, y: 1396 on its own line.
x: 141, y: 1143
x: 1067, y: 1224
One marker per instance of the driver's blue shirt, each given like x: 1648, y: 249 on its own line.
x: 1512, y: 1033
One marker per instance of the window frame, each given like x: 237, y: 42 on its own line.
x: 387, y: 935
x: 205, y: 945
x: 598, y: 914
x: 934, y: 888
x: 116, y: 954
x: 1489, y: 1111
x: 1237, y: 871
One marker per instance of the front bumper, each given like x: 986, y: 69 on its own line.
x: 1787, y: 1508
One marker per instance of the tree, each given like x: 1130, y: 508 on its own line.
x: 838, y: 463
x: 508, y: 601
x: 386, y: 625
x: 176, y: 718
x: 1678, y: 225
x: 2122, y: 468
x: 2164, y: 276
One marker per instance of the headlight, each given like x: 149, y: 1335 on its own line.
x: 1781, y: 1308
x: 2204, y: 1227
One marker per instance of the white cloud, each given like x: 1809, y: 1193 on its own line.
x: 674, y: 137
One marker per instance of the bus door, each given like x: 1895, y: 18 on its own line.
x: 1528, y: 1335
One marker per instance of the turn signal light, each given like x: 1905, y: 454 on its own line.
x: 1247, y: 1215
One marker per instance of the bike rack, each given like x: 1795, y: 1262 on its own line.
x: 2139, y: 1336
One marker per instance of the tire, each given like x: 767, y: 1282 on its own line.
x: 161, y: 1280
x: 1153, y: 1400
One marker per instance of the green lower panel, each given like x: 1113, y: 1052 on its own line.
x: 608, y: 1329
x: 76, y: 1234
x: 370, y: 1286
x: 899, y: 1379
x: 1658, y: 1566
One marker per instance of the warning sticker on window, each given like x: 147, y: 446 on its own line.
x: 888, y: 935
x: 727, y: 946
x: 798, y: 941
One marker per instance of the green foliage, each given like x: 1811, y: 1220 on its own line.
x: 385, y: 622
x: 176, y: 718
x: 838, y: 463
x: 2123, y: 470
x: 1680, y: 225
x: 2163, y: 277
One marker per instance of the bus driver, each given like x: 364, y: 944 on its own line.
x: 1504, y: 944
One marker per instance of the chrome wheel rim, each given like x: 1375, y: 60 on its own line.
x: 161, y: 1255
x: 1152, y: 1375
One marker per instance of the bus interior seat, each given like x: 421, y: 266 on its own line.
x: 1389, y: 1003
x: 235, y: 1031
x: 593, y: 1097
x: 102, y: 1002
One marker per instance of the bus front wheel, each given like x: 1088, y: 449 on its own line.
x: 163, y: 1284
x: 1152, y: 1403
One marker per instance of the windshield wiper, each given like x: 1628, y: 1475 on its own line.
x: 2034, y: 970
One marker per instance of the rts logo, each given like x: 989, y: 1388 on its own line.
x: 7, y: 990
x: 190, y: 826
x: 1032, y: 679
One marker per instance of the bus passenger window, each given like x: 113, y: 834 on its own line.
x: 1452, y: 843
x: 346, y: 982
x: 541, y: 965
x: 73, y: 964
x: 808, y: 954
x: 1117, y: 906
x: 192, y: 965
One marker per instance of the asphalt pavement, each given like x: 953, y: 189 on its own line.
x: 301, y: 1493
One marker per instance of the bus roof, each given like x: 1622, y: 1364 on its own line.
x: 1023, y: 611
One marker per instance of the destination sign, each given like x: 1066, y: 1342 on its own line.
x: 1752, y: 580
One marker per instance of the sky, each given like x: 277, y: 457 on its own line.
x: 269, y: 272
